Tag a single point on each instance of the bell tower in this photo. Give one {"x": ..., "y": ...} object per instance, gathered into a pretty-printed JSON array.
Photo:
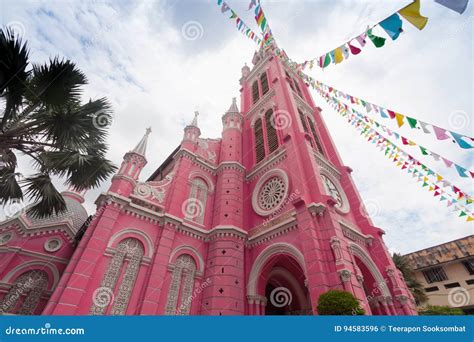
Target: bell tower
[{"x": 301, "y": 199}]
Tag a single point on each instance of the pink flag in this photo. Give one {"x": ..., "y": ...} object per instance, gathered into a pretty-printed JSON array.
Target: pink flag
[{"x": 440, "y": 133}]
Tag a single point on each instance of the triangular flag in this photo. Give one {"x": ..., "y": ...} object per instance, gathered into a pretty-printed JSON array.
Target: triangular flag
[
  {"x": 455, "y": 5},
  {"x": 361, "y": 39},
  {"x": 327, "y": 60},
  {"x": 391, "y": 113},
  {"x": 224, "y": 7},
  {"x": 338, "y": 57},
  {"x": 447, "y": 162},
  {"x": 470, "y": 218},
  {"x": 412, "y": 14},
  {"x": 252, "y": 3},
  {"x": 462, "y": 213},
  {"x": 354, "y": 50},
  {"x": 411, "y": 122},
  {"x": 392, "y": 25},
  {"x": 345, "y": 51},
  {"x": 424, "y": 127},
  {"x": 378, "y": 41},
  {"x": 460, "y": 141},
  {"x": 383, "y": 114},
  {"x": 460, "y": 170},
  {"x": 399, "y": 118},
  {"x": 440, "y": 133}
]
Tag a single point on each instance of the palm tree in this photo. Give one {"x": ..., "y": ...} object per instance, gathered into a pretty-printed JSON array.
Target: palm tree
[
  {"x": 42, "y": 117},
  {"x": 416, "y": 288}
]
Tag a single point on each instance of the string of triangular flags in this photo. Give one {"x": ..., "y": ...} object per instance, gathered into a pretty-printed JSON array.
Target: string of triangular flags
[
  {"x": 462, "y": 171},
  {"x": 440, "y": 133},
  {"x": 239, "y": 23},
  {"x": 433, "y": 181},
  {"x": 262, "y": 22},
  {"x": 392, "y": 25}
]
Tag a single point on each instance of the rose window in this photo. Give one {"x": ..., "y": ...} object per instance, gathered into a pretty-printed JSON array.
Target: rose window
[{"x": 272, "y": 193}]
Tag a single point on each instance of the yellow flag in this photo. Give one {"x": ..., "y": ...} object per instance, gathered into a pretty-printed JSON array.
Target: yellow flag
[
  {"x": 469, "y": 218},
  {"x": 399, "y": 118},
  {"x": 439, "y": 177},
  {"x": 412, "y": 14},
  {"x": 338, "y": 57}
]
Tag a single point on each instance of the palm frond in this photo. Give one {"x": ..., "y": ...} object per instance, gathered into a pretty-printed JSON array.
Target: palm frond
[
  {"x": 10, "y": 190},
  {"x": 47, "y": 199},
  {"x": 13, "y": 74},
  {"x": 56, "y": 84}
]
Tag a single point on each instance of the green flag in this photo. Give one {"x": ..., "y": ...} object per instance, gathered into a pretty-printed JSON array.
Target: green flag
[{"x": 378, "y": 41}]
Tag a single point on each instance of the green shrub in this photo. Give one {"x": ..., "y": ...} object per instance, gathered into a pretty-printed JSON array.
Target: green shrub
[
  {"x": 335, "y": 302},
  {"x": 435, "y": 310}
]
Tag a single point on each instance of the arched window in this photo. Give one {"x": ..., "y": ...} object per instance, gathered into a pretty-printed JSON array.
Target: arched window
[
  {"x": 25, "y": 293},
  {"x": 255, "y": 93},
  {"x": 181, "y": 286},
  {"x": 195, "y": 207},
  {"x": 126, "y": 260},
  {"x": 264, "y": 83},
  {"x": 303, "y": 120},
  {"x": 315, "y": 137},
  {"x": 297, "y": 86},
  {"x": 259, "y": 145},
  {"x": 272, "y": 138}
]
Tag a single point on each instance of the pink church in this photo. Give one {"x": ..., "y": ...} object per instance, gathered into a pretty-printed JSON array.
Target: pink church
[{"x": 258, "y": 222}]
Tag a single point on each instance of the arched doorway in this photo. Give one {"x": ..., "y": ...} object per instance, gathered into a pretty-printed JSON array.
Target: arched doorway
[{"x": 277, "y": 283}]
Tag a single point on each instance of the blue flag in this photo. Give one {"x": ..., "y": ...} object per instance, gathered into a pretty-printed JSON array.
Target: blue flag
[
  {"x": 393, "y": 26},
  {"x": 456, "y": 5}
]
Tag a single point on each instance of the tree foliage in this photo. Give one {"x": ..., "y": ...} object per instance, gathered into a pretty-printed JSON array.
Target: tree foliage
[
  {"x": 43, "y": 118},
  {"x": 336, "y": 302}
]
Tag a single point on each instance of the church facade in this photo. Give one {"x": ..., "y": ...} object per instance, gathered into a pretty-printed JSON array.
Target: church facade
[{"x": 261, "y": 221}]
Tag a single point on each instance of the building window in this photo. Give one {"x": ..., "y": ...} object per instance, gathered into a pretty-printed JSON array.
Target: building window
[
  {"x": 470, "y": 282},
  {"x": 297, "y": 87},
  {"x": 303, "y": 120},
  {"x": 195, "y": 206},
  {"x": 451, "y": 285},
  {"x": 435, "y": 274},
  {"x": 181, "y": 286},
  {"x": 25, "y": 293},
  {"x": 316, "y": 140},
  {"x": 431, "y": 289},
  {"x": 255, "y": 93},
  {"x": 469, "y": 265},
  {"x": 259, "y": 145},
  {"x": 264, "y": 83},
  {"x": 272, "y": 138},
  {"x": 126, "y": 260}
]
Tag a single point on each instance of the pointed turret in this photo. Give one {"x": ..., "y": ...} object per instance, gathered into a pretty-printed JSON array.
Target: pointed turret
[
  {"x": 133, "y": 163},
  {"x": 141, "y": 146},
  {"x": 191, "y": 133}
]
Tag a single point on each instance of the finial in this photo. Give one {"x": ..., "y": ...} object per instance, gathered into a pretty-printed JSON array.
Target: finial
[
  {"x": 233, "y": 107},
  {"x": 148, "y": 131}
]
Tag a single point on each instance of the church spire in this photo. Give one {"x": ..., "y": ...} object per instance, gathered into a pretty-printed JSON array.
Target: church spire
[
  {"x": 195, "y": 119},
  {"x": 233, "y": 107},
  {"x": 141, "y": 146}
]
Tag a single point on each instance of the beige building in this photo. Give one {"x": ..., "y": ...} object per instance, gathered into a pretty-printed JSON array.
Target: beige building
[{"x": 447, "y": 273}]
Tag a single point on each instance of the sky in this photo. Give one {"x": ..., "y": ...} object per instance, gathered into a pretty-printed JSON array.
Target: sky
[{"x": 159, "y": 61}]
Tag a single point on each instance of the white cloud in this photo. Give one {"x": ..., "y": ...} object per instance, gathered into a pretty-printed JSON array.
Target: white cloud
[{"x": 135, "y": 54}]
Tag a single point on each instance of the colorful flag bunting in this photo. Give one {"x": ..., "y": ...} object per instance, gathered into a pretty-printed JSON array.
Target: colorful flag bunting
[{"x": 378, "y": 41}]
